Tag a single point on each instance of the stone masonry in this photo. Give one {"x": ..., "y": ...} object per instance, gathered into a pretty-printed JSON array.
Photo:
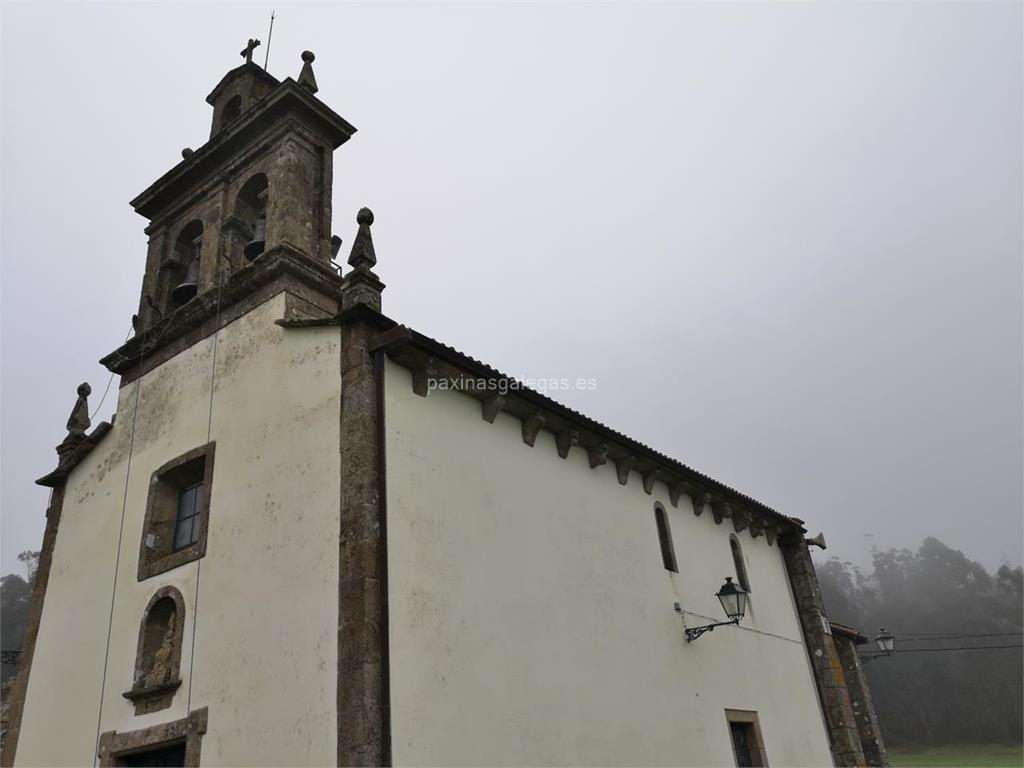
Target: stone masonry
[
  {"x": 860, "y": 698},
  {"x": 821, "y": 648}
]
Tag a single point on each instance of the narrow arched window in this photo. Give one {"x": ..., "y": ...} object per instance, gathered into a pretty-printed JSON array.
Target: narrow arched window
[
  {"x": 668, "y": 552},
  {"x": 251, "y": 210},
  {"x": 231, "y": 111},
  {"x": 739, "y": 563}
]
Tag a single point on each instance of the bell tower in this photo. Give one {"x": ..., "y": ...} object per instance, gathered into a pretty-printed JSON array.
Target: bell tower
[{"x": 241, "y": 218}]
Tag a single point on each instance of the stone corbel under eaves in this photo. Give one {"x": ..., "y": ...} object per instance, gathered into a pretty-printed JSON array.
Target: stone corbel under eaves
[
  {"x": 720, "y": 510},
  {"x": 623, "y": 464},
  {"x": 532, "y": 425},
  {"x": 399, "y": 345},
  {"x": 491, "y": 407},
  {"x": 740, "y": 519}
]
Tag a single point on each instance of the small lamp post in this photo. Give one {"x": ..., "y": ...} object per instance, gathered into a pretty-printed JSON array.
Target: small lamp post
[
  {"x": 734, "y": 602},
  {"x": 885, "y": 642}
]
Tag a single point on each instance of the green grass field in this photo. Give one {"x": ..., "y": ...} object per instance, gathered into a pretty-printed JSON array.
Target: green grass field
[{"x": 960, "y": 755}]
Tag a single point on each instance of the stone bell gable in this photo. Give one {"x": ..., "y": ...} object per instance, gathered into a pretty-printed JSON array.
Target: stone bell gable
[{"x": 261, "y": 186}]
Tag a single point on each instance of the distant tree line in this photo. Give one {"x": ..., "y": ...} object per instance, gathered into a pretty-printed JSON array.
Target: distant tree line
[
  {"x": 936, "y": 598},
  {"x": 15, "y": 595}
]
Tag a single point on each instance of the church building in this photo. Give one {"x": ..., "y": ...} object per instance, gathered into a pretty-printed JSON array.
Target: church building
[{"x": 312, "y": 535}]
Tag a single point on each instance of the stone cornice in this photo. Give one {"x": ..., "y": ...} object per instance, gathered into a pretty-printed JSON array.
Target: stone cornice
[
  {"x": 198, "y": 186},
  {"x": 357, "y": 312},
  {"x": 427, "y": 358},
  {"x": 74, "y": 457},
  {"x": 287, "y": 98},
  {"x": 244, "y": 285}
]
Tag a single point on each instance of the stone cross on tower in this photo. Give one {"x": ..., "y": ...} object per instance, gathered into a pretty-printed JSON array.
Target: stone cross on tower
[{"x": 247, "y": 51}]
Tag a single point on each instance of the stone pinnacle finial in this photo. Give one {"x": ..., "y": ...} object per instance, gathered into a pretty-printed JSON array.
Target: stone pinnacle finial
[
  {"x": 246, "y": 52},
  {"x": 363, "y": 255},
  {"x": 306, "y": 78},
  {"x": 78, "y": 422},
  {"x": 361, "y": 285}
]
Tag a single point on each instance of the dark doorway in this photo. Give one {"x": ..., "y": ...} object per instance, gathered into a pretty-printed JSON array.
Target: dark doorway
[
  {"x": 172, "y": 756},
  {"x": 747, "y": 743},
  {"x": 741, "y": 744}
]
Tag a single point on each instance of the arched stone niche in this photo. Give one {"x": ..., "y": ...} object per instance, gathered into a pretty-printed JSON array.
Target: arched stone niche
[{"x": 158, "y": 656}]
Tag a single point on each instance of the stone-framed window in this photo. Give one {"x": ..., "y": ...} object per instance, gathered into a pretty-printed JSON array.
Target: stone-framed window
[
  {"x": 186, "y": 525},
  {"x": 668, "y": 551},
  {"x": 158, "y": 656},
  {"x": 745, "y": 735},
  {"x": 177, "y": 740},
  {"x": 739, "y": 562},
  {"x": 177, "y": 512}
]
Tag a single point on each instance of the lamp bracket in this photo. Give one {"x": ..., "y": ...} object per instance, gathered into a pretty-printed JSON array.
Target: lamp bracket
[
  {"x": 692, "y": 633},
  {"x": 871, "y": 656}
]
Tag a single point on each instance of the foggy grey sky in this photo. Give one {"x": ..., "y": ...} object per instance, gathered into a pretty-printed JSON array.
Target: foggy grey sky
[{"x": 786, "y": 239}]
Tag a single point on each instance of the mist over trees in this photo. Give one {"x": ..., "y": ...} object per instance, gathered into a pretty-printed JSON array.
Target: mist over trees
[
  {"x": 15, "y": 596},
  {"x": 936, "y": 598}
]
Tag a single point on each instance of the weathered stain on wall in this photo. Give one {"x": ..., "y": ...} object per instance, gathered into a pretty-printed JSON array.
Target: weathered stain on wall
[{"x": 266, "y": 623}]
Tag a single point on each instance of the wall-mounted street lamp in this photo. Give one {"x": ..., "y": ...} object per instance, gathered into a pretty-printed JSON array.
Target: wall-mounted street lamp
[
  {"x": 734, "y": 602},
  {"x": 885, "y": 642}
]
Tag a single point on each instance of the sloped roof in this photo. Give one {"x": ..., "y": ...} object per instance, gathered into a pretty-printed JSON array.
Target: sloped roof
[
  {"x": 72, "y": 459},
  {"x": 249, "y": 68},
  {"x": 847, "y": 631},
  {"x": 670, "y": 469}
]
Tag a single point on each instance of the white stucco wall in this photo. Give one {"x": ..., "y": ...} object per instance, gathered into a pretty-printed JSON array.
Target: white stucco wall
[
  {"x": 532, "y": 621},
  {"x": 266, "y": 625}
]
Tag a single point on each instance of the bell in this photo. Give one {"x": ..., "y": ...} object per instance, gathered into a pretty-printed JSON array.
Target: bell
[
  {"x": 186, "y": 290},
  {"x": 259, "y": 240}
]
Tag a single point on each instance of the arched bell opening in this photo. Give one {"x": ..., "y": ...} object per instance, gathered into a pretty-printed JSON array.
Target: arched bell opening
[
  {"x": 185, "y": 265},
  {"x": 251, "y": 210},
  {"x": 231, "y": 111}
]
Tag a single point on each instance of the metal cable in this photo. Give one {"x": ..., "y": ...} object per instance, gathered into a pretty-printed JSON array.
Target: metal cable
[
  {"x": 743, "y": 627},
  {"x": 109, "y": 380},
  {"x": 209, "y": 433},
  {"x": 117, "y": 561},
  {"x": 960, "y": 648},
  {"x": 926, "y": 638},
  {"x": 124, "y": 505}
]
